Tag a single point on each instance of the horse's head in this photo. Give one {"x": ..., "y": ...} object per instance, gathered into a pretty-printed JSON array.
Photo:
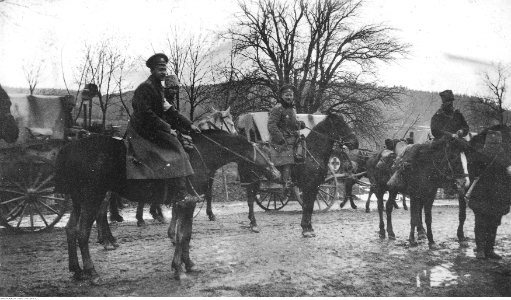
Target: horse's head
[
  {"x": 218, "y": 119},
  {"x": 449, "y": 160},
  {"x": 338, "y": 129},
  {"x": 9, "y": 130}
]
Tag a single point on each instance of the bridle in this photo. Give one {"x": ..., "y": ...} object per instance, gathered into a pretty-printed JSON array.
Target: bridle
[{"x": 254, "y": 147}]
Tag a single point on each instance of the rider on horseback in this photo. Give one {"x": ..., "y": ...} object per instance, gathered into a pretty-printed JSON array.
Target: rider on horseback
[
  {"x": 284, "y": 131},
  {"x": 153, "y": 141},
  {"x": 446, "y": 122}
]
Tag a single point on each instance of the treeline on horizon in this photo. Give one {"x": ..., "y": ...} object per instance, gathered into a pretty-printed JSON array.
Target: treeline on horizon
[{"x": 411, "y": 113}]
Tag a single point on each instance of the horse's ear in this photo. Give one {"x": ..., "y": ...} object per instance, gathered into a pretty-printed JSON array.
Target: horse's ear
[
  {"x": 228, "y": 110},
  {"x": 213, "y": 109}
]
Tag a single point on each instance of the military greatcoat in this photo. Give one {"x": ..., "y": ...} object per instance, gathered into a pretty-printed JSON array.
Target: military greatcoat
[
  {"x": 283, "y": 128},
  {"x": 442, "y": 123},
  {"x": 155, "y": 152}
]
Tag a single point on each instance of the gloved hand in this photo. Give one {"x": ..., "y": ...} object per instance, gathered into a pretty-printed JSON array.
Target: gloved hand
[
  {"x": 173, "y": 132},
  {"x": 459, "y": 133},
  {"x": 195, "y": 129}
]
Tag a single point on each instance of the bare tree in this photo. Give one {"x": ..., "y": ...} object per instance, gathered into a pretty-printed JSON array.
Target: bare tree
[
  {"x": 491, "y": 106},
  {"x": 311, "y": 45},
  {"x": 32, "y": 71},
  {"x": 191, "y": 60},
  {"x": 104, "y": 65}
]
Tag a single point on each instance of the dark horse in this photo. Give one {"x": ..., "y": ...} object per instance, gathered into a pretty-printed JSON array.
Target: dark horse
[
  {"x": 9, "y": 130},
  {"x": 309, "y": 175},
  {"x": 436, "y": 164},
  {"x": 90, "y": 167}
]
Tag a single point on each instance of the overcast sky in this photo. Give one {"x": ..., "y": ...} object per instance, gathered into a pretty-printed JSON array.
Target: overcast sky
[{"x": 452, "y": 41}]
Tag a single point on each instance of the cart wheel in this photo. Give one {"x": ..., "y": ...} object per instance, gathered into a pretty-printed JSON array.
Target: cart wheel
[
  {"x": 28, "y": 202},
  {"x": 327, "y": 194},
  {"x": 269, "y": 198}
]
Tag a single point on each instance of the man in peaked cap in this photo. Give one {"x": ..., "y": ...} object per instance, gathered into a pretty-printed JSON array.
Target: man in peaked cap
[
  {"x": 154, "y": 151},
  {"x": 446, "y": 122}
]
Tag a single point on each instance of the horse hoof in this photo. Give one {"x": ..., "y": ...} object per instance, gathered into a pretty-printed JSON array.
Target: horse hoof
[
  {"x": 116, "y": 218},
  {"x": 414, "y": 244},
  {"x": 342, "y": 204},
  {"x": 421, "y": 236},
  {"x": 96, "y": 280},
  {"x": 254, "y": 229},
  {"x": 354, "y": 206},
  {"x": 180, "y": 276},
  {"x": 160, "y": 219},
  {"x": 141, "y": 223},
  {"x": 212, "y": 217},
  {"x": 78, "y": 275},
  {"x": 433, "y": 246},
  {"x": 405, "y": 207},
  {"x": 308, "y": 234},
  {"x": 367, "y": 210},
  {"x": 392, "y": 237},
  {"x": 464, "y": 244},
  {"x": 190, "y": 267}
]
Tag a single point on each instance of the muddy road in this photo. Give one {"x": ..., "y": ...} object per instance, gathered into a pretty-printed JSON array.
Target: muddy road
[{"x": 346, "y": 258}]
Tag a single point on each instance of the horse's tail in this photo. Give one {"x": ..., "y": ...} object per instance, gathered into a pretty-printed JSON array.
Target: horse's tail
[{"x": 63, "y": 182}]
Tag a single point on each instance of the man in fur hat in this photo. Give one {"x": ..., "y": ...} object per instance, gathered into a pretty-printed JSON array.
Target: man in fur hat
[{"x": 284, "y": 131}]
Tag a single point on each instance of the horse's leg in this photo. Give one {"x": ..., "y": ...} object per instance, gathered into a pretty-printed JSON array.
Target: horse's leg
[
  {"x": 156, "y": 212},
  {"x": 348, "y": 188},
  {"x": 209, "y": 198},
  {"x": 88, "y": 213},
  {"x": 389, "y": 207},
  {"x": 251, "y": 195},
  {"x": 308, "y": 207},
  {"x": 184, "y": 217},
  {"x": 414, "y": 216},
  {"x": 379, "y": 192},
  {"x": 140, "y": 214},
  {"x": 428, "y": 206},
  {"x": 462, "y": 216},
  {"x": 404, "y": 202},
  {"x": 368, "y": 202},
  {"x": 72, "y": 235},
  {"x": 421, "y": 232},
  {"x": 114, "y": 208},
  {"x": 171, "y": 232},
  {"x": 105, "y": 236}
]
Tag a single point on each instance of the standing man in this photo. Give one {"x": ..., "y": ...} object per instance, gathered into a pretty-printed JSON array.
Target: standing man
[
  {"x": 446, "y": 122},
  {"x": 152, "y": 136},
  {"x": 284, "y": 131}
]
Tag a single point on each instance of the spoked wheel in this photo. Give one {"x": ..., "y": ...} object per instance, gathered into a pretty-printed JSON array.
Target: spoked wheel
[
  {"x": 271, "y": 196},
  {"x": 28, "y": 202},
  {"x": 327, "y": 194}
]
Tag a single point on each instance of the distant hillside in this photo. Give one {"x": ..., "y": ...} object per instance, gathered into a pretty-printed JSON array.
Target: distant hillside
[{"x": 412, "y": 115}]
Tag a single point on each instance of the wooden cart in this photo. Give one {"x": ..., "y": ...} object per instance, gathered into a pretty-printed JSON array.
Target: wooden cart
[
  {"x": 28, "y": 202},
  {"x": 271, "y": 196}
]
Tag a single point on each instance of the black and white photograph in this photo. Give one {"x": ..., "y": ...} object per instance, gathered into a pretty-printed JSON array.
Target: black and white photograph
[{"x": 255, "y": 148}]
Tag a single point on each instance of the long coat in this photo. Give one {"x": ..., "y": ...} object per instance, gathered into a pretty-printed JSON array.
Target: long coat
[
  {"x": 160, "y": 155},
  {"x": 283, "y": 129},
  {"x": 442, "y": 123},
  {"x": 491, "y": 195}
]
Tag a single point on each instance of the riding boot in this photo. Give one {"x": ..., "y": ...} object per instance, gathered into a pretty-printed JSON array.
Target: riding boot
[{"x": 490, "y": 242}]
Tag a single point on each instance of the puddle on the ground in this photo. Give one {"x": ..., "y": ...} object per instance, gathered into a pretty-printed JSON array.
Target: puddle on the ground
[{"x": 438, "y": 276}]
